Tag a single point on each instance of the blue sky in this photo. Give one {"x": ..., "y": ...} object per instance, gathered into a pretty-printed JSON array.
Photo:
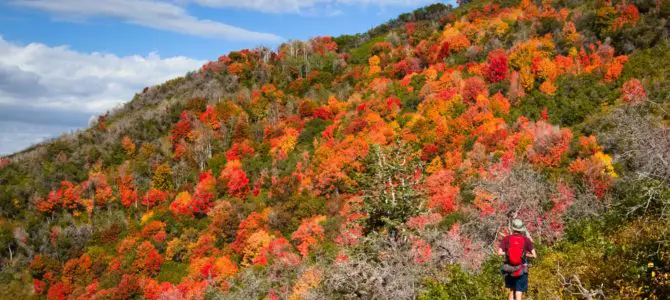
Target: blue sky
[{"x": 63, "y": 61}]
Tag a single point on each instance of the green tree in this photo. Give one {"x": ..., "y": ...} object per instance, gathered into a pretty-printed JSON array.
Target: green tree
[
  {"x": 388, "y": 185},
  {"x": 6, "y": 240},
  {"x": 162, "y": 178}
]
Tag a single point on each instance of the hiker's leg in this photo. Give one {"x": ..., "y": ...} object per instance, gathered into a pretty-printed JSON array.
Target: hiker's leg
[
  {"x": 511, "y": 294},
  {"x": 518, "y": 294}
]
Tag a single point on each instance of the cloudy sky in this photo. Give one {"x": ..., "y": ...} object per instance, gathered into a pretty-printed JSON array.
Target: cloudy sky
[{"x": 64, "y": 61}]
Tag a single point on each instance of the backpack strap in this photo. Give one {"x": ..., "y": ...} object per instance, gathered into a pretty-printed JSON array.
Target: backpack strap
[{"x": 523, "y": 249}]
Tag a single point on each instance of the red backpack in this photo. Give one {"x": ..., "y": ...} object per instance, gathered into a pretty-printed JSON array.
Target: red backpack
[{"x": 516, "y": 253}]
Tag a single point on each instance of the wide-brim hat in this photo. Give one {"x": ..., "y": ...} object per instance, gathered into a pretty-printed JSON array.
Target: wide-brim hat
[{"x": 517, "y": 225}]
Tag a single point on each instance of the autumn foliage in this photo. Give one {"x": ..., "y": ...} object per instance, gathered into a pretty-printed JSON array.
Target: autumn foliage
[
  {"x": 308, "y": 234},
  {"x": 388, "y": 157},
  {"x": 204, "y": 193},
  {"x": 235, "y": 179},
  {"x": 497, "y": 66},
  {"x": 633, "y": 92}
]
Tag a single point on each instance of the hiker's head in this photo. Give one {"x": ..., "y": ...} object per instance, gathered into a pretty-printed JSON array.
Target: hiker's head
[{"x": 518, "y": 226}]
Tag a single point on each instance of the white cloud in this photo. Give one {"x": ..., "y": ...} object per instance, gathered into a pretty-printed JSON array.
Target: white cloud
[
  {"x": 58, "y": 87},
  {"x": 83, "y": 81},
  {"x": 301, "y": 6},
  {"x": 276, "y": 6},
  {"x": 163, "y": 15}
]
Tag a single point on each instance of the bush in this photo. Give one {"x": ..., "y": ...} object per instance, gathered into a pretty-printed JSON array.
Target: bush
[
  {"x": 360, "y": 54},
  {"x": 454, "y": 283},
  {"x": 172, "y": 272},
  {"x": 651, "y": 67},
  {"x": 576, "y": 98},
  {"x": 388, "y": 205},
  {"x": 312, "y": 130},
  {"x": 6, "y": 238}
]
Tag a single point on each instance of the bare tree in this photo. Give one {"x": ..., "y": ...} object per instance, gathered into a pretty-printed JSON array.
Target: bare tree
[
  {"x": 257, "y": 283},
  {"x": 574, "y": 286},
  {"x": 385, "y": 271},
  {"x": 586, "y": 204},
  {"x": 180, "y": 172},
  {"x": 449, "y": 248},
  {"x": 202, "y": 146},
  {"x": 640, "y": 141},
  {"x": 518, "y": 193}
]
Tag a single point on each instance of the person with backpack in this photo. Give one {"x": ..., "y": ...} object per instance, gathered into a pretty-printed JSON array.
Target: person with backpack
[{"x": 517, "y": 248}]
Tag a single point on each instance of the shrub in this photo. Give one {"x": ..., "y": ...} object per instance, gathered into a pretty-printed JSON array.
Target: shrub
[
  {"x": 390, "y": 198},
  {"x": 576, "y": 98},
  {"x": 172, "y": 272}
]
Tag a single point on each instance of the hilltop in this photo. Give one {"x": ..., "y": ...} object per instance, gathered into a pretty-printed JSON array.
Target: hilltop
[{"x": 381, "y": 165}]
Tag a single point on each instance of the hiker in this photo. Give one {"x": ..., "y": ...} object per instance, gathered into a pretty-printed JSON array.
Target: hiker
[{"x": 516, "y": 248}]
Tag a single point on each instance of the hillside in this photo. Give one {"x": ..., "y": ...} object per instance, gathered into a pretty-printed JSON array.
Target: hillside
[{"x": 381, "y": 165}]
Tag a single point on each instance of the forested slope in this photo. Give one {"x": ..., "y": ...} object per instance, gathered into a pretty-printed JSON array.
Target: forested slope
[{"x": 382, "y": 165}]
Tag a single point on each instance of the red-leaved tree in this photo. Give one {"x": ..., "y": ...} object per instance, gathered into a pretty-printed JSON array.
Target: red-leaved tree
[
  {"x": 496, "y": 67},
  {"x": 204, "y": 193}
]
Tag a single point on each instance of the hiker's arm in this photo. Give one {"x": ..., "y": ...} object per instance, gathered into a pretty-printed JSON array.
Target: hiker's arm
[
  {"x": 532, "y": 254},
  {"x": 501, "y": 252}
]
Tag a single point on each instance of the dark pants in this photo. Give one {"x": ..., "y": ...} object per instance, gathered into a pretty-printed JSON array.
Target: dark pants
[{"x": 518, "y": 284}]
